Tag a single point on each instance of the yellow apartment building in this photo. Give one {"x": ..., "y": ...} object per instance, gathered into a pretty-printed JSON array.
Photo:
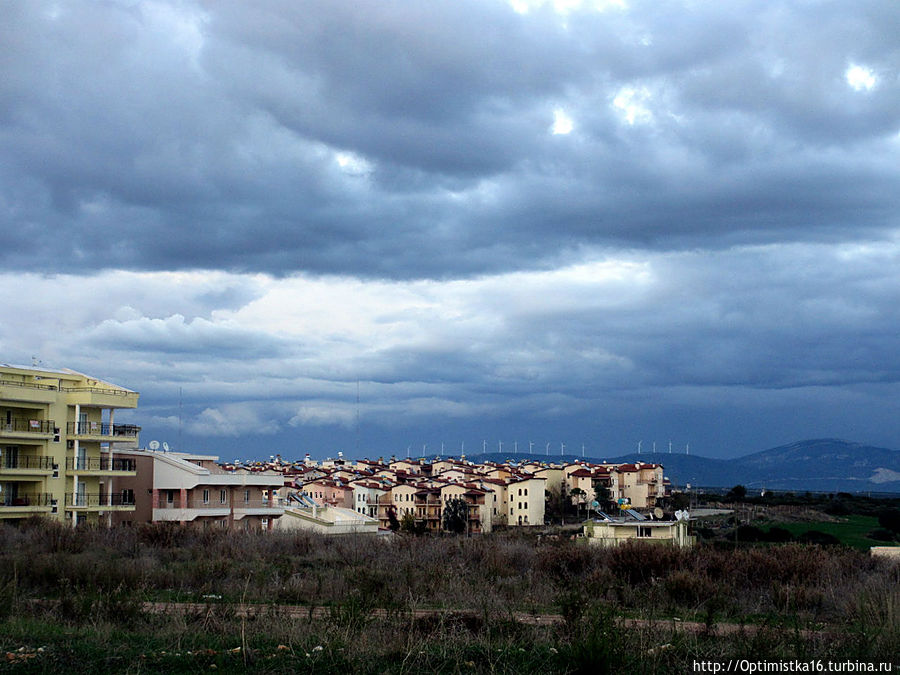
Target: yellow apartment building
[{"x": 58, "y": 445}]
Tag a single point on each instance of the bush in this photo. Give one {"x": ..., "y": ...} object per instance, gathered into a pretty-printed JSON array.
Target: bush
[
  {"x": 881, "y": 534},
  {"x": 889, "y": 519}
]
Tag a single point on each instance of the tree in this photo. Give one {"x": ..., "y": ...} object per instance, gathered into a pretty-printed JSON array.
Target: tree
[
  {"x": 579, "y": 497},
  {"x": 456, "y": 515},
  {"x": 602, "y": 495},
  {"x": 737, "y": 493},
  {"x": 393, "y": 523}
]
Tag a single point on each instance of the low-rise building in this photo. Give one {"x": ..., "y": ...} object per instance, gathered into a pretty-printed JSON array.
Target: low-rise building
[
  {"x": 192, "y": 488},
  {"x": 617, "y": 531}
]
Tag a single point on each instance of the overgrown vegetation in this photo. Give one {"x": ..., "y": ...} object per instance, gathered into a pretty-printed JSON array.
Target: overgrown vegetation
[{"x": 80, "y": 596}]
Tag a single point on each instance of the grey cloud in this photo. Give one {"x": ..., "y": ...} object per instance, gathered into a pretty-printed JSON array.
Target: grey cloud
[{"x": 203, "y": 136}]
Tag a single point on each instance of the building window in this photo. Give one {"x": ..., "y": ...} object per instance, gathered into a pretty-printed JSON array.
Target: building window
[
  {"x": 170, "y": 497},
  {"x": 644, "y": 532},
  {"x": 128, "y": 496},
  {"x": 206, "y": 496},
  {"x": 223, "y": 497},
  {"x": 246, "y": 496}
]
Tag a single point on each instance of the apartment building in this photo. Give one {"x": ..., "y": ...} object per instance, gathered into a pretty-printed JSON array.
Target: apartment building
[
  {"x": 190, "y": 488},
  {"x": 642, "y": 484},
  {"x": 526, "y": 500},
  {"x": 60, "y": 446}
]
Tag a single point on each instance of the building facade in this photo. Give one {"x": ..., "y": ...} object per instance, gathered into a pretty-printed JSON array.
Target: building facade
[
  {"x": 59, "y": 446},
  {"x": 189, "y": 488}
]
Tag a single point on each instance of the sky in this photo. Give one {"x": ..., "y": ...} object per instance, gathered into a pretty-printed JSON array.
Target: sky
[{"x": 395, "y": 227}]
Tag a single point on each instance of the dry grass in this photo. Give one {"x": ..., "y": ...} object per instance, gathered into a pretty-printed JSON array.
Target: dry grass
[{"x": 92, "y": 583}]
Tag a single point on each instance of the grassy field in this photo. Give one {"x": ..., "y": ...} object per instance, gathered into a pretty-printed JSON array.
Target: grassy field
[
  {"x": 850, "y": 531},
  {"x": 74, "y": 601}
]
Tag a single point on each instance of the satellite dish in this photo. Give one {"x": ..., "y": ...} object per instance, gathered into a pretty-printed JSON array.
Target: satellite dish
[
  {"x": 658, "y": 513},
  {"x": 165, "y": 446},
  {"x": 153, "y": 445}
]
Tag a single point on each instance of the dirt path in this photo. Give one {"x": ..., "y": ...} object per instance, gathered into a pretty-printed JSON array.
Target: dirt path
[{"x": 300, "y": 612}]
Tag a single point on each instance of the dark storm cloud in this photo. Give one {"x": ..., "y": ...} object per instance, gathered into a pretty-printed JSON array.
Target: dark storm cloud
[{"x": 181, "y": 135}]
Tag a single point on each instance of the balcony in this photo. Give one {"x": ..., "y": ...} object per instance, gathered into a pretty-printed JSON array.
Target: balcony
[
  {"x": 31, "y": 392},
  {"x": 20, "y": 427},
  {"x": 26, "y": 465},
  {"x": 23, "y": 505},
  {"x": 101, "y": 501},
  {"x": 105, "y": 466},
  {"x": 256, "y": 507},
  {"x": 174, "y": 510},
  {"x": 102, "y": 397},
  {"x": 102, "y": 431}
]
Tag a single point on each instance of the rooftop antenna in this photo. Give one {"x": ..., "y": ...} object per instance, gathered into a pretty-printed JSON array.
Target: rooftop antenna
[
  {"x": 562, "y": 448},
  {"x": 500, "y": 445},
  {"x": 357, "y": 416},
  {"x": 180, "y": 415},
  {"x": 408, "y": 448},
  {"x": 530, "y": 446},
  {"x": 639, "y": 446}
]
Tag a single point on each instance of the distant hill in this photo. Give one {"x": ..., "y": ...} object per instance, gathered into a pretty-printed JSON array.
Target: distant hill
[{"x": 819, "y": 465}]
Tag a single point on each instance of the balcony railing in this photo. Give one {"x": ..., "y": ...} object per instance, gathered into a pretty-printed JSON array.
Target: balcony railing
[
  {"x": 27, "y": 385},
  {"x": 99, "y": 464},
  {"x": 20, "y": 424},
  {"x": 214, "y": 503},
  {"x": 102, "y": 429},
  {"x": 40, "y": 499},
  {"x": 100, "y": 499},
  {"x": 26, "y": 462},
  {"x": 98, "y": 390}
]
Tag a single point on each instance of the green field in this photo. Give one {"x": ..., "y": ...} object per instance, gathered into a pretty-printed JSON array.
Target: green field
[{"x": 851, "y": 531}]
